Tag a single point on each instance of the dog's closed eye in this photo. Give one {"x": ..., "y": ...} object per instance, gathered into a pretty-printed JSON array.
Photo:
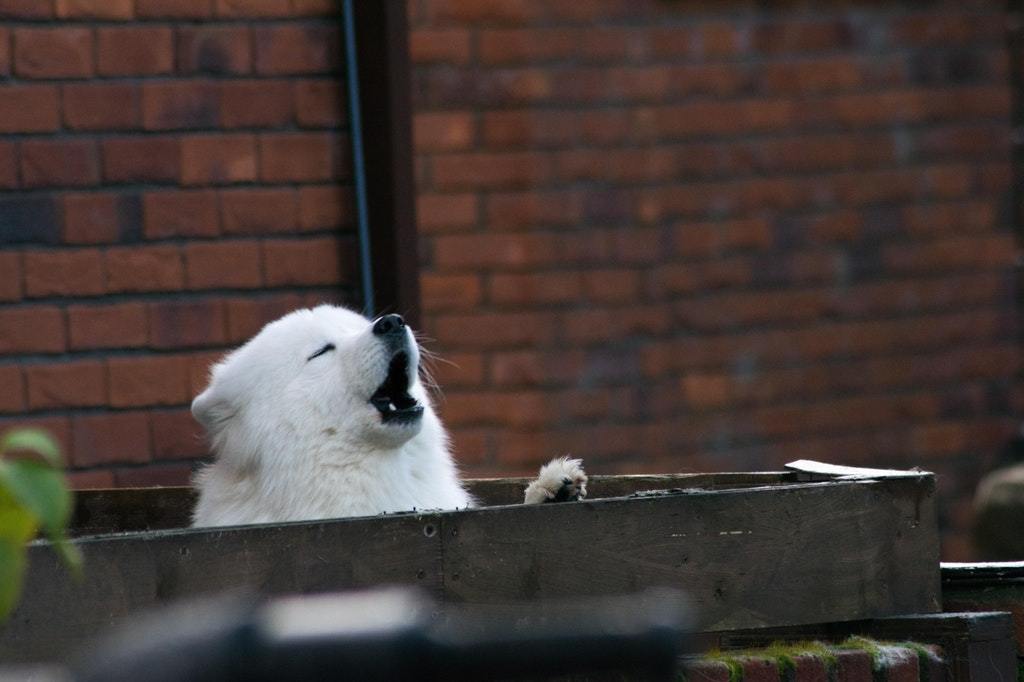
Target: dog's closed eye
[{"x": 325, "y": 349}]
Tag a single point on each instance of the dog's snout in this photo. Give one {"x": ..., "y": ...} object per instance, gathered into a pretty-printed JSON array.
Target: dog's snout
[{"x": 389, "y": 324}]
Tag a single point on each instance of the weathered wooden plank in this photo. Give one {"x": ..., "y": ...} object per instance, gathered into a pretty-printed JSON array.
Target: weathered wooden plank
[
  {"x": 127, "y": 573},
  {"x": 772, "y": 555},
  {"x": 810, "y": 470},
  {"x": 137, "y": 509},
  {"x": 131, "y": 509},
  {"x": 767, "y": 555},
  {"x": 502, "y": 491}
]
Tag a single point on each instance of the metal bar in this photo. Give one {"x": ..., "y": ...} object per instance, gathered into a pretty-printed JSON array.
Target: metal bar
[{"x": 358, "y": 161}]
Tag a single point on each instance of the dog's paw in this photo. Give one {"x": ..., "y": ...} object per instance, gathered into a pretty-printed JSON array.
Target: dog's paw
[{"x": 560, "y": 480}]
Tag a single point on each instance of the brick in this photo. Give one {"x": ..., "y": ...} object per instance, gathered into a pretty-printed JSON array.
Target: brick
[
  {"x": 327, "y": 207},
  {"x": 762, "y": 670},
  {"x": 318, "y": 104},
  {"x": 901, "y": 665},
  {"x": 200, "y": 365},
  {"x": 494, "y": 330},
  {"x": 8, "y": 165},
  {"x": 154, "y": 476},
  {"x": 457, "y": 369},
  {"x": 148, "y": 380},
  {"x": 5, "y": 52},
  {"x": 134, "y": 51},
  {"x": 292, "y": 49},
  {"x": 108, "y": 438},
  {"x": 218, "y": 159},
  {"x": 247, "y": 316},
  {"x": 446, "y": 212},
  {"x": 535, "y": 288},
  {"x": 297, "y": 157},
  {"x": 189, "y": 213},
  {"x": 234, "y": 264},
  {"x": 611, "y": 286},
  {"x": 322, "y": 260},
  {"x": 28, "y": 219},
  {"x": 513, "y": 408},
  {"x": 141, "y": 159},
  {"x": 63, "y": 52},
  {"x": 10, "y": 276},
  {"x": 950, "y": 254},
  {"x": 533, "y": 368},
  {"x": 810, "y": 668},
  {"x": 253, "y": 8},
  {"x": 67, "y": 384},
  {"x": 182, "y": 324},
  {"x": 444, "y": 46},
  {"x": 95, "y": 9},
  {"x": 92, "y": 218},
  {"x": 214, "y": 50},
  {"x": 60, "y": 162},
  {"x": 102, "y": 106},
  {"x": 28, "y": 109},
  {"x": 173, "y": 105},
  {"x": 853, "y": 666},
  {"x": 33, "y": 330},
  {"x": 519, "y": 46},
  {"x": 19, "y": 9},
  {"x": 491, "y": 171},
  {"x": 471, "y": 446},
  {"x": 115, "y": 325},
  {"x": 703, "y": 239},
  {"x": 259, "y": 211},
  {"x": 176, "y": 435},
  {"x": 476, "y": 251},
  {"x": 76, "y": 272},
  {"x": 314, "y": 8},
  {"x": 443, "y": 131},
  {"x": 450, "y": 292},
  {"x": 256, "y": 104},
  {"x": 531, "y": 128},
  {"x": 12, "y": 389},
  {"x": 58, "y": 427},
  {"x": 486, "y": 11},
  {"x": 706, "y": 671},
  {"x": 133, "y": 269},
  {"x": 94, "y": 479},
  {"x": 174, "y": 9}
]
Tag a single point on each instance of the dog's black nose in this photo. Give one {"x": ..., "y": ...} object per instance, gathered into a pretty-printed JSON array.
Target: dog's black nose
[{"x": 388, "y": 324}]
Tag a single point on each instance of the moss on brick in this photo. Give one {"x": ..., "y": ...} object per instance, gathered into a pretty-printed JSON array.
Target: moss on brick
[
  {"x": 786, "y": 655},
  {"x": 731, "y": 662}
]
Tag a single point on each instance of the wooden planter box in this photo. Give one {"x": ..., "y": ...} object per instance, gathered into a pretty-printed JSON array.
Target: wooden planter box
[{"x": 751, "y": 550}]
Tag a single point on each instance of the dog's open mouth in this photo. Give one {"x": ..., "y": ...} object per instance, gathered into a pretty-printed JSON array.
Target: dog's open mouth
[{"x": 392, "y": 398}]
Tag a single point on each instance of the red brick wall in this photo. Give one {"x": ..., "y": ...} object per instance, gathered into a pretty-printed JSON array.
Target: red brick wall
[
  {"x": 670, "y": 235},
  {"x": 172, "y": 175},
  {"x": 659, "y": 235}
]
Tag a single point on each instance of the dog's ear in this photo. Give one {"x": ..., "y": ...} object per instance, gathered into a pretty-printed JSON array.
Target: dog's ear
[{"x": 212, "y": 410}]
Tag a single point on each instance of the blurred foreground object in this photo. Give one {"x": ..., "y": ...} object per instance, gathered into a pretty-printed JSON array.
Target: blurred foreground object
[
  {"x": 392, "y": 634},
  {"x": 999, "y": 515},
  {"x": 34, "y": 496}
]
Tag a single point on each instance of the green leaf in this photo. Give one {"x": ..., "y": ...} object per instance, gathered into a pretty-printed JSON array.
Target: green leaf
[
  {"x": 41, "y": 490},
  {"x": 17, "y": 525},
  {"x": 35, "y": 440},
  {"x": 69, "y": 554},
  {"x": 12, "y": 573}
]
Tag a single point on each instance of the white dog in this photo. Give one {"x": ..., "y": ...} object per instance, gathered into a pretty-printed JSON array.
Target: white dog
[{"x": 323, "y": 415}]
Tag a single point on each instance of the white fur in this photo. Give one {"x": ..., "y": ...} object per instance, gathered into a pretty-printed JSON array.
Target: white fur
[
  {"x": 297, "y": 438},
  {"x": 559, "y": 473}
]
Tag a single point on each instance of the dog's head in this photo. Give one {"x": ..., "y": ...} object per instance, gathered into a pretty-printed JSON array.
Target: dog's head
[{"x": 317, "y": 380}]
